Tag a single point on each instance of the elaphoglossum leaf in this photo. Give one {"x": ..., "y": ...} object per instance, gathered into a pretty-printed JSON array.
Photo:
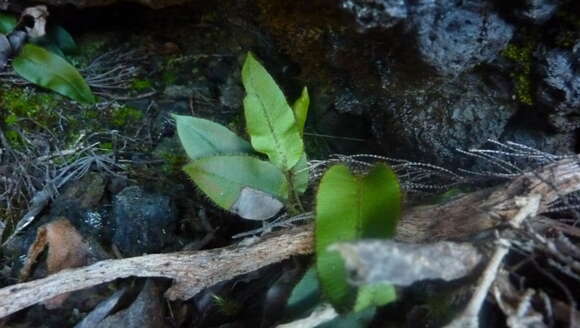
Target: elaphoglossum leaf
[
  {"x": 348, "y": 208},
  {"x": 223, "y": 178},
  {"x": 50, "y": 71},
  {"x": 202, "y": 138},
  {"x": 300, "y": 175},
  {"x": 374, "y": 295},
  {"x": 300, "y": 109},
  {"x": 305, "y": 296},
  {"x": 49, "y": 45},
  {"x": 269, "y": 119},
  {"x": 62, "y": 38},
  {"x": 334, "y": 223},
  {"x": 7, "y": 23}
]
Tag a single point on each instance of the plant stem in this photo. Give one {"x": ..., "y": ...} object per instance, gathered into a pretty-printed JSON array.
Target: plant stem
[{"x": 294, "y": 198}]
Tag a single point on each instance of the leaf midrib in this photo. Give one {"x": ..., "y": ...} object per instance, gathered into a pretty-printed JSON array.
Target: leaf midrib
[{"x": 275, "y": 137}]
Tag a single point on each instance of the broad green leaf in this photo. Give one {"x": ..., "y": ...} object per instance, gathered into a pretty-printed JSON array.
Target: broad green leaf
[
  {"x": 348, "y": 208},
  {"x": 305, "y": 296},
  {"x": 48, "y": 70},
  {"x": 57, "y": 40},
  {"x": 269, "y": 119},
  {"x": 374, "y": 295},
  {"x": 300, "y": 109},
  {"x": 49, "y": 45},
  {"x": 7, "y": 23},
  {"x": 300, "y": 175},
  {"x": 202, "y": 138},
  {"x": 224, "y": 178},
  {"x": 63, "y": 40}
]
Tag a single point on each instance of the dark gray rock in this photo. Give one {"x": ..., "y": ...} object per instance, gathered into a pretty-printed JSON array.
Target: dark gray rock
[
  {"x": 144, "y": 222},
  {"x": 5, "y": 51},
  {"x": 451, "y": 36},
  {"x": 455, "y": 38},
  {"x": 428, "y": 125},
  {"x": 377, "y": 13},
  {"x": 231, "y": 93},
  {"x": 559, "y": 89}
]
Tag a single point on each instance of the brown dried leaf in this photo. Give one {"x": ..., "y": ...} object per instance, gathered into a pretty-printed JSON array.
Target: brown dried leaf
[{"x": 66, "y": 249}]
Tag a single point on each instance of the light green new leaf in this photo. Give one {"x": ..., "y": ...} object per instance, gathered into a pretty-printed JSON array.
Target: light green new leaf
[
  {"x": 229, "y": 179},
  {"x": 374, "y": 295},
  {"x": 202, "y": 138},
  {"x": 300, "y": 175},
  {"x": 300, "y": 109},
  {"x": 348, "y": 208},
  {"x": 48, "y": 70},
  {"x": 269, "y": 119},
  {"x": 7, "y": 23}
]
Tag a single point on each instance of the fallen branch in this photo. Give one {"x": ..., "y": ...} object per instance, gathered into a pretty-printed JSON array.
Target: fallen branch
[
  {"x": 193, "y": 271},
  {"x": 470, "y": 316},
  {"x": 485, "y": 209}
]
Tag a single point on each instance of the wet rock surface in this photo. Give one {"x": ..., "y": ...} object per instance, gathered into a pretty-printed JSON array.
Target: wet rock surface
[
  {"x": 559, "y": 90},
  {"x": 462, "y": 113},
  {"x": 451, "y": 36},
  {"x": 144, "y": 222}
]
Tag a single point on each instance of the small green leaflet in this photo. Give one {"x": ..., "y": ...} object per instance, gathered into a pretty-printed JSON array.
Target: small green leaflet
[
  {"x": 348, "y": 208},
  {"x": 50, "y": 71},
  {"x": 374, "y": 295},
  {"x": 269, "y": 119},
  {"x": 225, "y": 179},
  {"x": 300, "y": 175},
  {"x": 7, "y": 23},
  {"x": 202, "y": 138},
  {"x": 58, "y": 41},
  {"x": 63, "y": 40},
  {"x": 300, "y": 109}
]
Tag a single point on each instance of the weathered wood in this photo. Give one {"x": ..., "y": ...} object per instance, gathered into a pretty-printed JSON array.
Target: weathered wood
[
  {"x": 191, "y": 271},
  {"x": 484, "y": 209}
]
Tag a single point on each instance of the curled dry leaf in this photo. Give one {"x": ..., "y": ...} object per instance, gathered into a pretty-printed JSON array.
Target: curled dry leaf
[
  {"x": 39, "y": 15},
  {"x": 66, "y": 249},
  {"x": 374, "y": 261}
]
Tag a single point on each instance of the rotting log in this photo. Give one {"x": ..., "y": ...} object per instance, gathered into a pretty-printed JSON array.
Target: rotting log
[{"x": 193, "y": 271}]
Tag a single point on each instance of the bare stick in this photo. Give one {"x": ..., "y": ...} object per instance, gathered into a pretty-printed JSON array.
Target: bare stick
[
  {"x": 191, "y": 271},
  {"x": 469, "y": 317}
]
